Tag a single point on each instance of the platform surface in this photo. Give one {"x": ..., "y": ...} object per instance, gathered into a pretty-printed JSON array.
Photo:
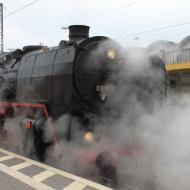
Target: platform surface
[{"x": 20, "y": 173}]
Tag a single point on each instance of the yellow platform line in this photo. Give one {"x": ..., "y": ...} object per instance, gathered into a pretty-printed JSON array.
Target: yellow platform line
[
  {"x": 23, "y": 178},
  {"x": 6, "y": 158},
  {"x": 75, "y": 186},
  {"x": 43, "y": 175},
  {"x": 21, "y": 166},
  {"x": 57, "y": 171}
]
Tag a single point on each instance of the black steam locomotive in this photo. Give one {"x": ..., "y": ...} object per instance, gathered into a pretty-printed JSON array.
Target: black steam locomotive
[
  {"x": 39, "y": 82},
  {"x": 75, "y": 78}
]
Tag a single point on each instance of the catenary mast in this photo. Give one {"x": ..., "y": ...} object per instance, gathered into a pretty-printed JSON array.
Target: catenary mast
[{"x": 1, "y": 27}]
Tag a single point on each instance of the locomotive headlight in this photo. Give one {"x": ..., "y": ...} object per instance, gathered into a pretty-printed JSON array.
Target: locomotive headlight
[
  {"x": 88, "y": 137},
  {"x": 111, "y": 54}
]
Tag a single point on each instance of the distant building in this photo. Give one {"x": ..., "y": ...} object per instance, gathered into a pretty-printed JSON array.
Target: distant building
[{"x": 162, "y": 45}]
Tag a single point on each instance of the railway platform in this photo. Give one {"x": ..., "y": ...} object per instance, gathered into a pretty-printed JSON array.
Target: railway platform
[{"x": 20, "y": 173}]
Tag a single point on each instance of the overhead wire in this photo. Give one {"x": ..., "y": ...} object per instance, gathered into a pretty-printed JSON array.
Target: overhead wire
[
  {"x": 144, "y": 32},
  {"x": 166, "y": 34},
  {"x": 142, "y": 26},
  {"x": 159, "y": 29},
  {"x": 20, "y": 9},
  {"x": 173, "y": 36},
  {"x": 84, "y": 18},
  {"x": 177, "y": 35},
  {"x": 161, "y": 23},
  {"x": 109, "y": 11},
  {"x": 93, "y": 16},
  {"x": 18, "y": 22},
  {"x": 79, "y": 20}
]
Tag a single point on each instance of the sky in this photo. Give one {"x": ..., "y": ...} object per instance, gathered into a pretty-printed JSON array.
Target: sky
[{"x": 130, "y": 22}]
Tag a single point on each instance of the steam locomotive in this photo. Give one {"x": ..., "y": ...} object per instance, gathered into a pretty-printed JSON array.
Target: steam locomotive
[
  {"x": 74, "y": 78},
  {"x": 40, "y": 82}
]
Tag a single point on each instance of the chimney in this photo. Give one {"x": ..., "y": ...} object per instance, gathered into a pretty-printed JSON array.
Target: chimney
[{"x": 78, "y": 32}]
